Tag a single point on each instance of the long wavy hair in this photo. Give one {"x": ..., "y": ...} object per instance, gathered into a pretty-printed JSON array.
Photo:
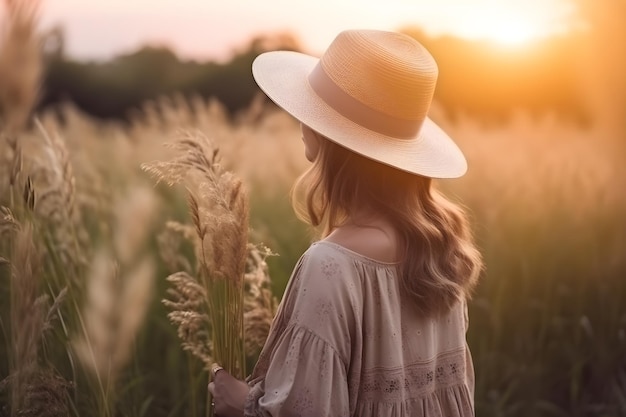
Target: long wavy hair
[{"x": 439, "y": 265}]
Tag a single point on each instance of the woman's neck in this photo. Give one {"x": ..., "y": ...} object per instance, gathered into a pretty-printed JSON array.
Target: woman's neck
[{"x": 368, "y": 232}]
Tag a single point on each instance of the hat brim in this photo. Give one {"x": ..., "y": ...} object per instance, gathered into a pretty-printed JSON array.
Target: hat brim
[{"x": 283, "y": 76}]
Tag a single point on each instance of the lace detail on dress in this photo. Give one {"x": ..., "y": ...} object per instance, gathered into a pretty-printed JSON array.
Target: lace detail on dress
[{"x": 414, "y": 381}]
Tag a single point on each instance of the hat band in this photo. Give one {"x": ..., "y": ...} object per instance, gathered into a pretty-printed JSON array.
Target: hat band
[{"x": 360, "y": 113}]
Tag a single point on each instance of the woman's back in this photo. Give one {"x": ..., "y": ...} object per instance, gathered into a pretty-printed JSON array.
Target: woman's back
[{"x": 345, "y": 334}]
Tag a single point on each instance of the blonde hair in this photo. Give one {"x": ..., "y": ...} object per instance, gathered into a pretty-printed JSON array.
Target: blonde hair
[{"x": 440, "y": 264}]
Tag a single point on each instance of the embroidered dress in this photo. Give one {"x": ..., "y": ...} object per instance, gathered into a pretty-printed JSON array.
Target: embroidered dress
[{"x": 344, "y": 343}]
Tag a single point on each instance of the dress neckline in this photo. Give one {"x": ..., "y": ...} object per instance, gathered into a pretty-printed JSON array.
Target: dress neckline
[{"x": 357, "y": 255}]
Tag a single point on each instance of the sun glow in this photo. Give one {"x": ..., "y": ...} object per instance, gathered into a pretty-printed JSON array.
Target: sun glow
[
  {"x": 514, "y": 34},
  {"x": 506, "y": 25}
]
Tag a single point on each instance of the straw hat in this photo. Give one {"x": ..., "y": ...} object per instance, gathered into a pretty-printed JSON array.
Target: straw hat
[{"x": 369, "y": 92}]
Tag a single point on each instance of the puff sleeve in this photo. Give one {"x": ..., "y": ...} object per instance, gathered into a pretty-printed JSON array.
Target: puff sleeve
[{"x": 309, "y": 356}]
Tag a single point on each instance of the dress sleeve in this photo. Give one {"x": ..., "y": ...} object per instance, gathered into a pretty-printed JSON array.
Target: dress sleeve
[
  {"x": 310, "y": 380},
  {"x": 308, "y": 360}
]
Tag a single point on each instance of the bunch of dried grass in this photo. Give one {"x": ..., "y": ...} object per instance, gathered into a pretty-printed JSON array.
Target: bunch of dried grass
[
  {"x": 187, "y": 297},
  {"x": 223, "y": 307},
  {"x": 219, "y": 209}
]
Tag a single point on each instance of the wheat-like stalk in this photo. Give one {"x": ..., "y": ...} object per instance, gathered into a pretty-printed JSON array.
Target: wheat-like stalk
[
  {"x": 171, "y": 242},
  {"x": 53, "y": 177},
  {"x": 111, "y": 316},
  {"x": 33, "y": 388},
  {"x": 20, "y": 78},
  {"x": 8, "y": 224},
  {"x": 44, "y": 394},
  {"x": 259, "y": 303},
  {"x": 27, "y": 314},
  {"x": 134, "y": 216},
  {"x": 119, "y": 291},
  {"x": 187, "y": 297},
  {"x": 20, "y": 65},
  {"x": 187, "y": 303}
]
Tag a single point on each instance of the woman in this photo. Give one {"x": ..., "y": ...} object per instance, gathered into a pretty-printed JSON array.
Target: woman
[{"x": 374, "y": 317}]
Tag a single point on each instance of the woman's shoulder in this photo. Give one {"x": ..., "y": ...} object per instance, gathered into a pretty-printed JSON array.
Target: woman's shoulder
[
  {"x": 376, "y": 243},
  {"x": 326, "y": 260}
]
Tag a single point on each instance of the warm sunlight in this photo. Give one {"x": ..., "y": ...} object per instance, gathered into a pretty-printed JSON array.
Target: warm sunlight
[
  {"x": 507, "y": 24},
  {"x": 514, "y": 34}
]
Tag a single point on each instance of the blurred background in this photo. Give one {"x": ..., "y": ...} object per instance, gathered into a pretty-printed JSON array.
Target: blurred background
[
  {"x": 533, "y": 91},
  {"x": 495, "y": 57}
]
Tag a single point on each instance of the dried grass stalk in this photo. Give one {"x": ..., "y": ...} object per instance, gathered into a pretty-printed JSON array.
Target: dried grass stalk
[
  {"x": 111, "y": 316},
  {"x": 134, "y": 216},
  {"x": 21, "y": 65},
  {"x": 45, "y": 394},
  {"x": 259, "y": 302},
  {"x": 27, "y": 313},
  {"x": 171, "y": 242},
  {"x": 55, "y": 207},
  {"x": 187, "y": 303},
  {"x": 32, "y": 388},
  {"x": 8, "y": 224},
  {"x": 119, "y": 292},
  {"x": 57, "y": 179}
]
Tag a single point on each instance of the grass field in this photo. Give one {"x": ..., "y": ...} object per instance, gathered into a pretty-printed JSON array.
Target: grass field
[{"x": 548, "y": 326}]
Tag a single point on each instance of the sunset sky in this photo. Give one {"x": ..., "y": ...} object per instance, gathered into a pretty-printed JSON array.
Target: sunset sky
[{"x": 210, "y": 29}]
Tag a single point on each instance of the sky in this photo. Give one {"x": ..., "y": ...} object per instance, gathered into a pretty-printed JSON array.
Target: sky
[{"x": 212, "y": 29}]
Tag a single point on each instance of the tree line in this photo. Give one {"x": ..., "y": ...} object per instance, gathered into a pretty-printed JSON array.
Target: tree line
[{"x": 481, "y": 80}]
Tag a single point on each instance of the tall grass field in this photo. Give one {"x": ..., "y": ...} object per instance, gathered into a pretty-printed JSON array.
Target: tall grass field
[{"x": 88, "y": 240}]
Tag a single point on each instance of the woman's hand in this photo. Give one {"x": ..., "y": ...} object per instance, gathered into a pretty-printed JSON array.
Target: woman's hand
[{"x": 229, "y": 394}]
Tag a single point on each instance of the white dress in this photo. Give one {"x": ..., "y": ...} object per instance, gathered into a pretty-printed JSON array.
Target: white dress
[{"x": 343, "y": 344}]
